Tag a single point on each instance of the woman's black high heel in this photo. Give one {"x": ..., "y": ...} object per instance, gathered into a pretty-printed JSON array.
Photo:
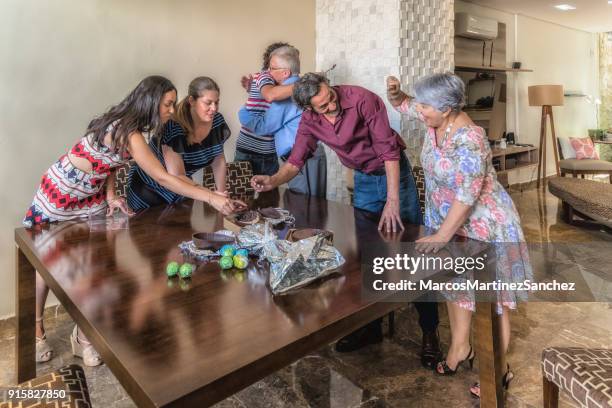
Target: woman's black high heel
[
  {"x": 506, "y": 379},
  {"x": 449, "y": 371}
]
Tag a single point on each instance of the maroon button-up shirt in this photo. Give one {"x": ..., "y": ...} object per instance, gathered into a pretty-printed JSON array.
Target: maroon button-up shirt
[{"x": 361, "y": 135}]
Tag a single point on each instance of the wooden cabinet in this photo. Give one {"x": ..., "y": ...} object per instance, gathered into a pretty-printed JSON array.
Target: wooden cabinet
[{"x": 512, "y": 158}]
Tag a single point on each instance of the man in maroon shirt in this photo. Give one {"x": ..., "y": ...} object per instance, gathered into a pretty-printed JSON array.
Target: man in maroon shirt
[{"x": 353, "y": 122}]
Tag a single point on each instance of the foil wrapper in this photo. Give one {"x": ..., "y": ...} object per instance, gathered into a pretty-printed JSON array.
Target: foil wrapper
[
  {"x": 189, "y": 250},
  {"x": 292, "y": 264},
  {"x": 306, "y": 260},
  {"x": 262, "y": 240},
  {"x": 286, "y": 217}
]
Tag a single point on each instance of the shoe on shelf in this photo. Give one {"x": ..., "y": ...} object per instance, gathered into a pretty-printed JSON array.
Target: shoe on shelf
[
  {"x": 84, "y": 349},
  {"x": 364, "y": 336},
  {"x": 443, "y": 369},
  {"x": 44, "y": 352},
  {"x": 506, "y": 379},
  {"x": 430, "y": 349}
]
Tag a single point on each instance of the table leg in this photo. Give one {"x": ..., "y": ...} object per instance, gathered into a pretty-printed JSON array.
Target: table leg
[
  {"x": 25, "y": 305},
  {"x": 490, "y": 358}
]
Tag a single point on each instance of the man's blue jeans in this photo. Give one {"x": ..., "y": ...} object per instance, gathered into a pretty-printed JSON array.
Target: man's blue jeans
[
  {"x": 370, "y": 193},
  {"x": 266, "y": 164}
]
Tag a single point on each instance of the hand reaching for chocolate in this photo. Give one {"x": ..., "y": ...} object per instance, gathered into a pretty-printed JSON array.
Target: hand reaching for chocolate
[{"x": 226, "y": 205}]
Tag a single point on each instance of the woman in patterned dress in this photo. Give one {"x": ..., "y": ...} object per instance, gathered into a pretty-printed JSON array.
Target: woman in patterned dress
[
  {"x": 463, "y": 197},
  {"x": 190, "y": 141},
  {"x": 81, "y": 182}
]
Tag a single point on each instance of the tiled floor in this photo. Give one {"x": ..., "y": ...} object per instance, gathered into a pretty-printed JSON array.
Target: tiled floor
[{"x": 389, "y": 374}]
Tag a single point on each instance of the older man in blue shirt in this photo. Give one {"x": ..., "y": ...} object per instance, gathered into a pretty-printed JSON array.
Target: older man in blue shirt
[{"x": 282, "y": 120}]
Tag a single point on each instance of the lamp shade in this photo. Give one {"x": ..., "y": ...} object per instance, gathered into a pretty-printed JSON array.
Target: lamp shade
[{"x": 540, "y": 95}]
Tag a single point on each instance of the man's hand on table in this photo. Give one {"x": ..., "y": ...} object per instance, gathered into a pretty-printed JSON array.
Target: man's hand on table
[{"x": 390, "y": 219}]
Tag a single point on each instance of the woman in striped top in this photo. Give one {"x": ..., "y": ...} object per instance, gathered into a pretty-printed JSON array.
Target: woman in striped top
[{"x": 191, "y": 141}]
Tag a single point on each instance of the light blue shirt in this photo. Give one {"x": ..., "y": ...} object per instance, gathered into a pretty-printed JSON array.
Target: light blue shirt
[{"x": 281, "y": 120}]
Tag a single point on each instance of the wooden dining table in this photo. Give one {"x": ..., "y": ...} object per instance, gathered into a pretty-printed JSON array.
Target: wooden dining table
[{"x": 192, "y": 343}]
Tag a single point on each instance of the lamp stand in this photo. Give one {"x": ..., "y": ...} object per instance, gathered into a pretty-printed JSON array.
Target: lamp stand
[{"x": 546, "y": 113}]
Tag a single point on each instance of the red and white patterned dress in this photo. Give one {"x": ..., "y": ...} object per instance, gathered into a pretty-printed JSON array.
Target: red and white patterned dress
[{"x": 67, "y": 192}]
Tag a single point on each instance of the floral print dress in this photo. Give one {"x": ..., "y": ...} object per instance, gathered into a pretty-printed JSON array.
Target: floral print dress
[{"x": 461, "y": 169}]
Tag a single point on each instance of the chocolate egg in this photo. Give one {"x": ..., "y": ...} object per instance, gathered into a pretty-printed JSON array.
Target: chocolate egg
[
  {"x": 172, "y": 268},
  {"x": 240, "y": 261},
  {"x": 226, "y": 262},
  {"x": 227, "y": 250},
  {"x": 242, "y": 252},
  {"x": 186, "y": 270}
]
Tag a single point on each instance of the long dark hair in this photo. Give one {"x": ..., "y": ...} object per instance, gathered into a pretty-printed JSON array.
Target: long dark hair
[
  {"x": 137, "y": 112},
  {"x": 196, "y": 88}
]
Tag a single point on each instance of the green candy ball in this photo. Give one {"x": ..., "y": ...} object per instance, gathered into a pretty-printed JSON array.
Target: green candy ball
[
  {"x": 226, "y": 262},
  {"x": 186, "y": 270},
  {"x": 240, "y": 261},
  {"x": 227, "y": 250},
  {"x": 172, "y": 268}
]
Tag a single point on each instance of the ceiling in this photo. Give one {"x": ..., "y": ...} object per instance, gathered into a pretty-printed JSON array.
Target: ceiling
[{"x": 589, "y": 15}]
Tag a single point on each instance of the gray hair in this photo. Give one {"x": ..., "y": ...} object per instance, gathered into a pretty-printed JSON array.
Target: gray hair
[
  {"x": 306, "y": 87},
  {"x": 290, "y": 56},
  {"x": 441, "y": 91}
]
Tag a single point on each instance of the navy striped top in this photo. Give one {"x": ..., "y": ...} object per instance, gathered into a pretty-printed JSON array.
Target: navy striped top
[{"x": 144, "y": 192}]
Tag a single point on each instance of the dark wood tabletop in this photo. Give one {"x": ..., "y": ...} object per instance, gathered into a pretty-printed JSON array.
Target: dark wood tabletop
[{"x": 191, "y": 343}]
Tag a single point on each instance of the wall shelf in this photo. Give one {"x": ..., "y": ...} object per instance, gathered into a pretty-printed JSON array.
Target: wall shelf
[{"x": 479, "y": 68}]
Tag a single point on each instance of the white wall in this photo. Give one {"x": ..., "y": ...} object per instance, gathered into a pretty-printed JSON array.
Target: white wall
[
  {"x": 557, "y": 55},
  {"x": 64, "y": 61},
  {"x": 369, "y": 40},
  {"x": 362, "y": 38}
]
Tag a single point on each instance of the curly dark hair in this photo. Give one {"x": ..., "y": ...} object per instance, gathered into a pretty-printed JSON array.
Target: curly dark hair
[{"x": 306, "y": 87}]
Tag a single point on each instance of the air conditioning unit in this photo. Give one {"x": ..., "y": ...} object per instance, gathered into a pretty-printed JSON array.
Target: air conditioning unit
[{"x": 471, "y": 26}]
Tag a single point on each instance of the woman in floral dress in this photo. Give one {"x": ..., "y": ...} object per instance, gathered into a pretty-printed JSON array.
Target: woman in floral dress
[{"x": 463, "y": 197}]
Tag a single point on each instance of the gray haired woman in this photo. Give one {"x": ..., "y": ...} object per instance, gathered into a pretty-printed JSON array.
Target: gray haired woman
[{"x": 463, "y": 197}]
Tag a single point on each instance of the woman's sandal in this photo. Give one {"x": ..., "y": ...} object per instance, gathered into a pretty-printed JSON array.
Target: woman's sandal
[
  {"x": 506, "y": 379},
  {"x": 44, "y": 352},
  {"x": 446, "y": 370},
  {"x": 84, "y": 349}
]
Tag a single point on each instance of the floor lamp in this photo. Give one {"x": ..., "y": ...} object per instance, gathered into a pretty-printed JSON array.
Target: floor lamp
[{"x": 546, "y": 96}]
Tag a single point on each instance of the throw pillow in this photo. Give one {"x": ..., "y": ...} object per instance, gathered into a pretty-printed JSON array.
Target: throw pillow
[
  {"x": 584, "y": 147},
  {"x": 567, "y": 151}
]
